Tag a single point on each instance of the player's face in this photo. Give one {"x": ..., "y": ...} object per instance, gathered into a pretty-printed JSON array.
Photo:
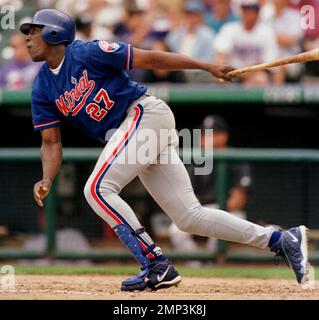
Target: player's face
[
  {"x": 216, "y": 140},
  {"x": 221, "y": 8},
  {"x": 249, "y": 17},
  {"x": 194, "y": 19},
  {"x": 38, "y": 49}
]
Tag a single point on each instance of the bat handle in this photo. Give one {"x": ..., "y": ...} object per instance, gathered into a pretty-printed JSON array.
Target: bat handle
[{"x": 237, "y": 72}]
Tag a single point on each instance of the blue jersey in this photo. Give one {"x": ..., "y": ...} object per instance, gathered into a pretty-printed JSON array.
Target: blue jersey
[{"x": 92, "y": 89}]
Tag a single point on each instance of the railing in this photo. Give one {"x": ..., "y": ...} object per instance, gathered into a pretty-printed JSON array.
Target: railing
[
  {"x": 205, "y": 94},
  {"x": 221, "y": 162}
]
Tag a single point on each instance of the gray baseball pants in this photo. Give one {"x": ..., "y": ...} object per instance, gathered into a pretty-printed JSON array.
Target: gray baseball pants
[{"x": 145, "y": 145}]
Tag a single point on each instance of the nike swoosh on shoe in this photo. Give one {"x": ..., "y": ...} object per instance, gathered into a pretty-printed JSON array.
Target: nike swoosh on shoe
[{"x": 161, "y": 277}]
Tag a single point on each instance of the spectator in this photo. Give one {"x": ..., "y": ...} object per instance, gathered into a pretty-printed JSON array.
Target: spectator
[
  {"x": 152, "y": 76},
  {"x": 248, "y": 42},
  {"x": 163, "y": 16},
  {"x": 204, "y": 185},
  {"x": 72, "y": 9},
  {"x": 218, "y": 139},
  {"x": 193, "y": 38},
  {"x": 84, "y": 28},
  {"x": 220, "y": 14},
  {"x": 267, "y": 10},
  {"x": 288, "y": 38},
  {"x": 104, "y": 13},
  {"x": 156, "y": 18},
  {"x": 41, "y": 4},
  {"x": 19, "y": 72},
  {"x": 132, "y": 28},
  {"x": 171, "y": 11}
]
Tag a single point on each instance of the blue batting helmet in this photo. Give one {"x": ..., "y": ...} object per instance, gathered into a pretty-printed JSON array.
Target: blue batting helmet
[{"x": 58, "y": 27}]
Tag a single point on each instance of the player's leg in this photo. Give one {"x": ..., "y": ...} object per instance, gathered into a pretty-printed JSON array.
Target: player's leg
[
  {"x": 170, "y": 186},
  {"x": 116, "y": 167}
]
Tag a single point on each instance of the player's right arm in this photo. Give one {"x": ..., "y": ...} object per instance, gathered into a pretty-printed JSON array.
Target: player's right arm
[
  {"x": 51, "y": 156},
  {"x": 102, "y": 54},
  {"x": 147, "y": 59}
]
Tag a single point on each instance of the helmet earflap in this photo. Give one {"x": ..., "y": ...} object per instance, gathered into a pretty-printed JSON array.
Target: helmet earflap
[{"x": 53, "y": 35}]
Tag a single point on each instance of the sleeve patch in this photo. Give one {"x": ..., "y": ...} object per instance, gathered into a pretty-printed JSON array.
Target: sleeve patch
[{"x": 109, "y": 46}]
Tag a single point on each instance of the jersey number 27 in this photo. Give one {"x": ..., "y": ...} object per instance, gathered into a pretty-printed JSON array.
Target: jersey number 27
[{"x": 95, "y": 110}]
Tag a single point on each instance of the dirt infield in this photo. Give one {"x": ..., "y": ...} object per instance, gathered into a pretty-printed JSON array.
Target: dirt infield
[{"x": 192, "y": 288}]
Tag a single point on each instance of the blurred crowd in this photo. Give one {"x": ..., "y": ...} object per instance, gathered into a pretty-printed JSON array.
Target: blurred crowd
[{"x": 238, "y": 32}]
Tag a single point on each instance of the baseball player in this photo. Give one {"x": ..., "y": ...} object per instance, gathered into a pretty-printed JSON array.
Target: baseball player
[{"x": 86, "y": 84}]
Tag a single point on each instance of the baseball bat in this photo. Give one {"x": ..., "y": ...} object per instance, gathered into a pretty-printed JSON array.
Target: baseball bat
[{"x": 298, "y": 58}]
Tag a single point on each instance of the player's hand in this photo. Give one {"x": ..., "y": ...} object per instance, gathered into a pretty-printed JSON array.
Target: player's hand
[
  {"x": 40, "y": 190},
  {"x": 220, "y": 72}
]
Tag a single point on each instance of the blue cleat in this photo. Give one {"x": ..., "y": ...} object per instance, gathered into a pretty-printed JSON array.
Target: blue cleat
[
  {"x": 160, "y": 275},
  {"x": 293, "y": 248},
  {"x": 136, "y": 282}
]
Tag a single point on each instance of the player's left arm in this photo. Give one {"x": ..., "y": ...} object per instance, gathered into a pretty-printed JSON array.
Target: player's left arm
[{"x": 145, "y": 59}]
